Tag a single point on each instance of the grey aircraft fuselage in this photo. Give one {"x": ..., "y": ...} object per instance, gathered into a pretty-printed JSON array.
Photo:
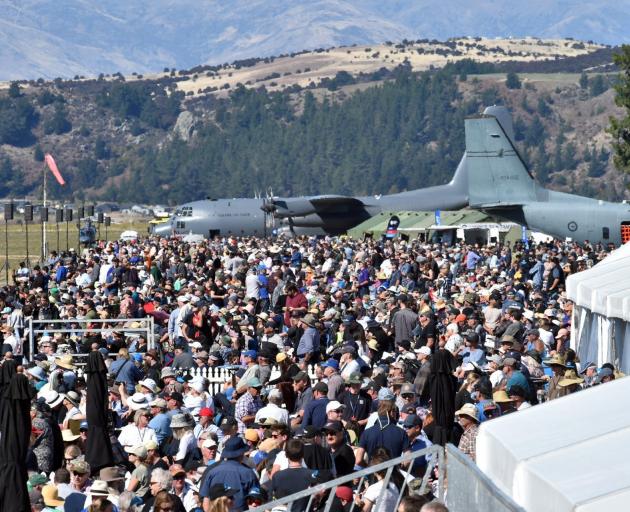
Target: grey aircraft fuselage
[{"x": 309, "y": 215}]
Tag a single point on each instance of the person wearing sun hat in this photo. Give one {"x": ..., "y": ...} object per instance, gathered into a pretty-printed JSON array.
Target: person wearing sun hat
[
  {"x": 556, "y": 363},
  {"x": 51, "y": 498},
  {"x": 469, "y": 419},
  {"x": 571, "y": 382}
]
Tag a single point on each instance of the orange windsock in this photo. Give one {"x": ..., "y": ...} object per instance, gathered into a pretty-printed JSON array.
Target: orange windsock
[{"x": 50, "y": 161}]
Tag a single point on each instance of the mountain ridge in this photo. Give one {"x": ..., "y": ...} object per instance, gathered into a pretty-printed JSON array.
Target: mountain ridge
[{"x": 64, "y": 38}]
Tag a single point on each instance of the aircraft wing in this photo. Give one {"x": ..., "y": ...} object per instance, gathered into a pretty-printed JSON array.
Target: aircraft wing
[
  {"x": 335, "y": 203},
  {"x": 319, "y": 205}
]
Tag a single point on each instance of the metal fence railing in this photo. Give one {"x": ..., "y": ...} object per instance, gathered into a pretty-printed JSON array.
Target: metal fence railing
[
  {"x": 79, "y": 326},
  {"x": 434, "y": 454},
  {"x": 470, "y": 489}
]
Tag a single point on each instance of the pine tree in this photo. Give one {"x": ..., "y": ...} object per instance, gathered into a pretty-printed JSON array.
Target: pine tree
[{"x": 620, "y": 127}]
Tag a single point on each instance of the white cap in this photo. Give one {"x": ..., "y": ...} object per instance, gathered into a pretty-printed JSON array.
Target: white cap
[
  {"x": 423, "y": 350},
  {"x": 334, "y": 405}
]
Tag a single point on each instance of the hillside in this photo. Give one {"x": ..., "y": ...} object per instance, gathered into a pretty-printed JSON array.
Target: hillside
[
  {"x": 51, "y": 38},
  {"x": 356, "y": 120}
]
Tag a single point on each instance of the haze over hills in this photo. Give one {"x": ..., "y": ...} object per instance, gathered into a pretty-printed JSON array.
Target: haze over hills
[{"x": 45, "y": 38}]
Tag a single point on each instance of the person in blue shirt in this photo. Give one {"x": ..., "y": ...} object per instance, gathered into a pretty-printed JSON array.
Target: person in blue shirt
[
  {"x": 315, "y": 410},
  {"x": 161, "y": 422},
  {"x": 263, "y": 291},
  {"x": 417, "y": 441},
  {"x": 232, "y": 473},
  {"x": 384, "y": 433},
  {"x": 472, "y": 353}
]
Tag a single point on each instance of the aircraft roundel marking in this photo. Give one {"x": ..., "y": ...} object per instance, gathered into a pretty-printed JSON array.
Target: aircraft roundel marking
[{"x": 572, "y": 226}]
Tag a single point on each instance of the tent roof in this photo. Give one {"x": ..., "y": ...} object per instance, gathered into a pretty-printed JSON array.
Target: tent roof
[
  {"x": 569, "y": 454},
  {"x": 605, "y": 288},
  {"x": 411, "y": 221}
]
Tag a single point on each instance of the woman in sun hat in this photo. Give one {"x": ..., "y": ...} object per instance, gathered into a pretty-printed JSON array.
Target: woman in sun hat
[{"x": 182, "y": 426}]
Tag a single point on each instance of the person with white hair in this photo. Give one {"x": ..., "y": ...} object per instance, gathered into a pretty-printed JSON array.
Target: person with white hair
[
  {"x": 453, "y": 338},
  {"x": 273, "y": 409}
]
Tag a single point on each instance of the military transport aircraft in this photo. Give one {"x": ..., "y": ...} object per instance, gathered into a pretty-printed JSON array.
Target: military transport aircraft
[
  {"x": 500, "y": 184},
  {"x": 311, "y": 215}
]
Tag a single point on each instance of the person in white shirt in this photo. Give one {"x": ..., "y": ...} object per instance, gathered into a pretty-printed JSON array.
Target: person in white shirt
[
  {"x": 139, "y": 432},
  {"x": 273, "y": 409}
]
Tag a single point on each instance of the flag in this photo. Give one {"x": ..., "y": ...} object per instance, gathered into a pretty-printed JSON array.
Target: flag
[{"x": 50, "y": 161}]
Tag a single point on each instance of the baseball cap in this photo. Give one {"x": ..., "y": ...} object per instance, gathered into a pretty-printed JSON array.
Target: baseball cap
[
  {"x": 138, "y": 451},
  {"x": 412, "y": 420},
  {"x": 386, "y": 394},
  {"x": 334, "y": 405},
  {"x": 344, "y": 493},
  {"x": 206, "y": 411},
  {"x": 333, "y": 363},
  {"x": 209, "y": 443},
  {"x": 423, "y": 350},
  {"x": 333, "y": 426},
  {"x": 299, "y": 376},
  {"x": 250, "y": 353}
]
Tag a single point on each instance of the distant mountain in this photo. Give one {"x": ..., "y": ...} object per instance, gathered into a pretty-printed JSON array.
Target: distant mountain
[{"x": 51, "y": 38}]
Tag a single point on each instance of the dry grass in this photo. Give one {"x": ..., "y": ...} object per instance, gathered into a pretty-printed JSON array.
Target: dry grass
[
  {"x": 368, "y": 59},
  {"x": 16, "y": 234}
]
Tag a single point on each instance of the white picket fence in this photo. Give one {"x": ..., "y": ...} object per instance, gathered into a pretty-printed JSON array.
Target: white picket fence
[{"x": 216, "y": 377}]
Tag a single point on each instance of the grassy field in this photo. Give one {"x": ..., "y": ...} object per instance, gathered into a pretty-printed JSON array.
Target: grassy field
[{"x": 17, "y": 246}]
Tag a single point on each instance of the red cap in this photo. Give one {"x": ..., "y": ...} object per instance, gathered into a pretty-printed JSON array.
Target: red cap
[
  {"x": 206, "y": 411},
  {"x": 344, "y": 493}
]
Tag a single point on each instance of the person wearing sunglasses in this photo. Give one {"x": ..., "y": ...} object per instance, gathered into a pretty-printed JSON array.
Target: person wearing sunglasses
[
  {"x": 343, "y": 454},
  {"x": 417, "y": 441}
]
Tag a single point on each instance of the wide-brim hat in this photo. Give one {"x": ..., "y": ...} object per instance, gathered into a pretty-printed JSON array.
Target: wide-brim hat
[
  {"x": 50, "y": 494},
  {"x": 65, "y": 361},
  {"x": 309, "y": 320},
  {"x": 99, "y": 488},
  {"x": 150, "y": 384},
  {"x": 470, "y": 411},
  {"x": 570, "y": 378},
  {"x": 137, "y": 401},
  {"x": 182, "y": 420},
  {"x": 234, "y": 448},
  {"x": 68, "y": 436},
  {"x": 555, "y": 360},
  {"x": 53, "y": 399}
]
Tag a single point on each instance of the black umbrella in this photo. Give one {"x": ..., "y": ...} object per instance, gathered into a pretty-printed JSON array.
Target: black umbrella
[
  {"x": 15, "y": 432},
  {"x": 99, "y": 448},
  {"x": 443, "y": 387}
]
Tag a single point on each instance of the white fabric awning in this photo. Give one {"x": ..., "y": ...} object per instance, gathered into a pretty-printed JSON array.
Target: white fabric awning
[
  {"x": 605, "y": 288},
  {"x": 570, "y": 454}
]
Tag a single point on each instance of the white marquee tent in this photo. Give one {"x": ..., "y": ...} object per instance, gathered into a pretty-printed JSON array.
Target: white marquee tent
[
  {"x": 569, "y": 454},
  {"x": 601, "y": 316}
]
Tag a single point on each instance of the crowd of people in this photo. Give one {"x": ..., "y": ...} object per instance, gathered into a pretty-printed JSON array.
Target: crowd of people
[{"x": 340, "y": 354}]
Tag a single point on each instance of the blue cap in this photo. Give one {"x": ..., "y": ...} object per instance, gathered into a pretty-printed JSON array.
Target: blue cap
[
  {"x": 386, "y": 394},
  {"x": 250, "y": 353},
  {"x": 333, "y": 363},
  {"x": 137, "y": 357}
]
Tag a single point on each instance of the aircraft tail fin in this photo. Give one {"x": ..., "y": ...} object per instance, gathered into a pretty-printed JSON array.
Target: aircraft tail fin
[{"x": 497, "y": 176}]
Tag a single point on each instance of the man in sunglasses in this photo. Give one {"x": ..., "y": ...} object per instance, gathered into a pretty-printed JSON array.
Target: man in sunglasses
[
  {"x": 342, "y": 452},
  {"x": 417, "y": 441}
]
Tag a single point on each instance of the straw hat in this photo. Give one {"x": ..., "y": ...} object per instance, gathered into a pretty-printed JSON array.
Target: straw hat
[
  {"x": 137, "y": 401},
  {"x": 50, "y": 494},
  {"x": 555, "y": 360},
  {"x": 65, "y": 361},
  {"x": 501, "y": 397},
  {"x": 570, "y": 378},
  {"x": 470, "y": 411},
  {"x": 99, "y": 488}
]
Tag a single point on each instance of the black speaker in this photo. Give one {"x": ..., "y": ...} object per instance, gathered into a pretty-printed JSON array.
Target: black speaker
[
  {"x": 80, "y": 212},
  {"x": 28, "y": 213},
  {"x": 67, "y": 215},
  {"x": 43, "y": 214},
  {"x": 100, "y": 218},
  {"x": 8, "y": 211},
  {"x": 89, "y": 210},
  {"x": 108, "y": 221},
  {"x": 58, "y": 215}
]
